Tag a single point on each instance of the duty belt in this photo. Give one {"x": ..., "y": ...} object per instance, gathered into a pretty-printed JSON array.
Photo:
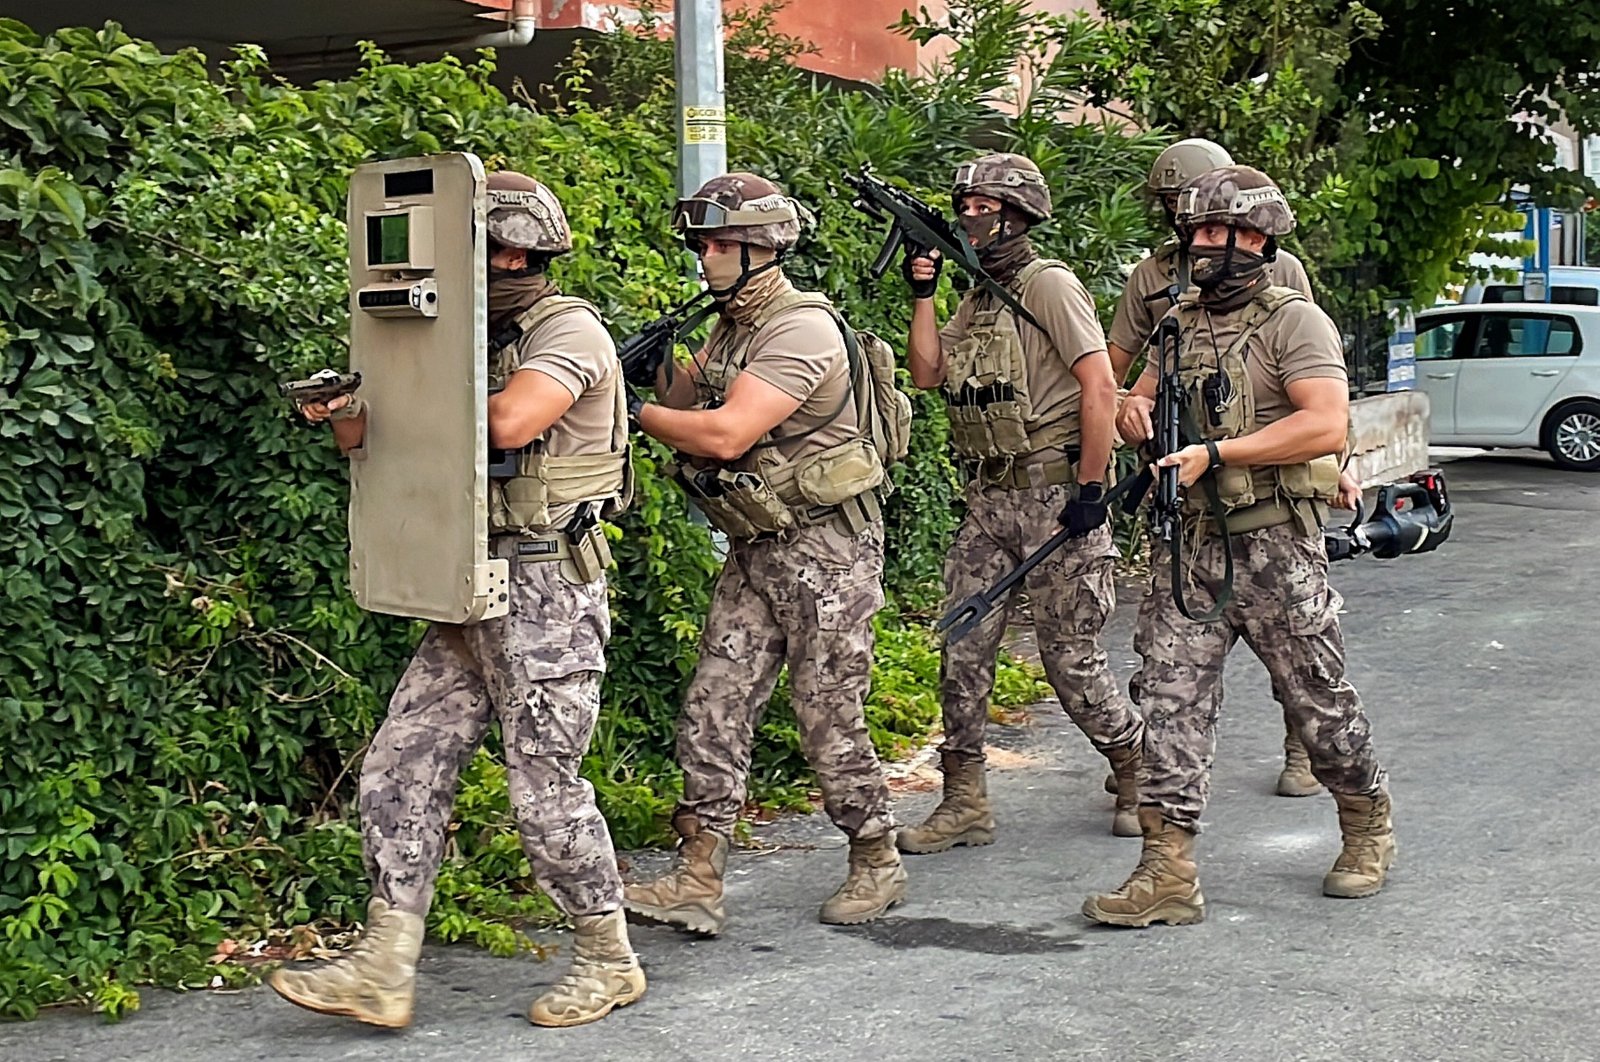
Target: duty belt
[
  {"x": 851, "y": 517},
  {"x": 1008, "y": 474},
  {"x": 532, "y": 549},
  {"x": 1308, "y": 513}
]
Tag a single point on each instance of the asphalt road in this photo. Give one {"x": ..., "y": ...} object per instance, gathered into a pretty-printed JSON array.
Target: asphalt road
[{"x": 1476, "y": 666}]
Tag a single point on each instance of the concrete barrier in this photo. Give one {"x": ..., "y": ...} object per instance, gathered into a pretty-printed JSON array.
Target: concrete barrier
[{"x": 1388, "y": 437}]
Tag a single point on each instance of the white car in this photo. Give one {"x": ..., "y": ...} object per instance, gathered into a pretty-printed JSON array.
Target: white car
[{"x": 1514, "y": 375}]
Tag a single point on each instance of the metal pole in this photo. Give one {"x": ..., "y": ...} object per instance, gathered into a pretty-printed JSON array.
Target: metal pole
[
  {"x": 702, "y": 115},
  {"x": 702, "y": 123}
]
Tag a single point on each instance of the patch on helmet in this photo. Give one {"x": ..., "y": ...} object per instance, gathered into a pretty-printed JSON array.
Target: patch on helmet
[{"x": 1247, "y": 199}]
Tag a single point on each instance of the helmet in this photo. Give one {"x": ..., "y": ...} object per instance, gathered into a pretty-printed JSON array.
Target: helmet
[
  {"x": 1237, "y": 196},
  {"x": 1012, "y": 179},
  {"x": 740, "y": 207},
  {"x": 1183, "y": 162},
  {"x": 526, "y": 215}
]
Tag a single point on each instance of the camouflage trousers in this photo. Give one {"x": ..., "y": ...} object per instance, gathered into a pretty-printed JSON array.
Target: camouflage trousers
[
  {"x": 806, "y": 600},
  {"x": 537, "y": 671},
  {"x": 1071, "y": 592},
  {"x": 1287, "y": 613}
]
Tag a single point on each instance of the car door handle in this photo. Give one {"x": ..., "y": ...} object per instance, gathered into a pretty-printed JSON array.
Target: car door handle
[
  {"x": 1544, "y": 372},
  {"x": 1441, "y": 376}
]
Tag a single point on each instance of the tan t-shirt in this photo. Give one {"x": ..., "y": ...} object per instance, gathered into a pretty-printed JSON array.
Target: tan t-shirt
[
  {"x": 574, "y": 349},
  {"x": 1060, "y": 303},
  {"x": 1145, "y": 301},
  {"x": 1298, "y": 342},
  {"x": 801, "y": 352}
]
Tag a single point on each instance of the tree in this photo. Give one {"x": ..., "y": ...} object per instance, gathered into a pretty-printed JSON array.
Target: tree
[
  {"x": 1397, "y": 127},
  {"x": 1445, "y": 111}
]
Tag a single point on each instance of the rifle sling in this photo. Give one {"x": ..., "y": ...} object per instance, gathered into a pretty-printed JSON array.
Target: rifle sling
[{"x": 1219, "y": 519}]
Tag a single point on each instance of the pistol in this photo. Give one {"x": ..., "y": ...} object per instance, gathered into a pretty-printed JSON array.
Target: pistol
[{"x": 322, "y": 386}]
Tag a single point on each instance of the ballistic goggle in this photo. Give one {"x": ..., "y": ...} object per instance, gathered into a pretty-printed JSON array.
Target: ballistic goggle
[{"x": 704, "y": 214}]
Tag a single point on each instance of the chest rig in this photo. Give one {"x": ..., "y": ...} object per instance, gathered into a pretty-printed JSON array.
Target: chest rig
[
  {"x": 1219, "y": 403},
  {"x": 527, "y": 484},
  {"x": 765, "y": 492},
  {"x": 987, "y": 390}
]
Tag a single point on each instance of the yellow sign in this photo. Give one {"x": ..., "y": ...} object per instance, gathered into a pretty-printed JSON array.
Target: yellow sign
[
  {"x": 704, "y": 134},
  {"x": 704, "y": 125}
]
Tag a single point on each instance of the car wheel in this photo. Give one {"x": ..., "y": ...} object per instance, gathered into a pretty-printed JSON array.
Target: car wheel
[{"x": 1573, "y": 437}]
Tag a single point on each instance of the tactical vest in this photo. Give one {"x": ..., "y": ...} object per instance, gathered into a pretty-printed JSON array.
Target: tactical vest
[
  {"x": 522, "y": 503},
  {"x": 1218, "y": 403},
  {"x": 766, "y": 492},
  {"x": 986, "y": 387}
]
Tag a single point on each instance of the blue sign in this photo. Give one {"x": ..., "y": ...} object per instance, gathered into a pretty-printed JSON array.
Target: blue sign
[{"x": 1402, "y": 350}]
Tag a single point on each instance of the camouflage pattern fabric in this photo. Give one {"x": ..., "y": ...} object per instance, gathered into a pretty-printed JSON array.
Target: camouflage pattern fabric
[
  {"x": 1013, "y": 179},
  {"x": 1235, "y": 195},
  {"x": 537, "y": 671},
  {"x": 1287, "y": 613},
  {"x": 1071, "y": 593},
  {"x": 524, "y": 213},
  {"x": 751, "y": 194},
  {"x": 806, "y": 599}
]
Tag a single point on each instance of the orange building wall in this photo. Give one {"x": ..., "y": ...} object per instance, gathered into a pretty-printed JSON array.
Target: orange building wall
[{"x": 852, "y": 37}]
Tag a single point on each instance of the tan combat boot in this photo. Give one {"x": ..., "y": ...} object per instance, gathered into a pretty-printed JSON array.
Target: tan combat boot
[
  {"x": 877, "y": 881},
  {"x": 962, "y": 817},
  {"x": 1164, "y": 887},
  {"x": 605, "y": 975},
  {"x": 373, "y": 982},
  {"x": 1125, "y": 772},
  {"x": 689, "y": 896},
  {"x": 1296, "y": 779},
  {"x": 1369, "y": 847}
]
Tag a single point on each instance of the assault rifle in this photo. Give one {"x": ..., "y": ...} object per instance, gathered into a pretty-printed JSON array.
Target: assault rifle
[
  {"x": 1172, "y": 422},
  {"x": 1166, "y": 513},
  {"x": 964, "y": 618},
  {"x": 919, "y": 227},
  {"x": 1413, "y": 516},
  {"x": 645, "y": 351}
]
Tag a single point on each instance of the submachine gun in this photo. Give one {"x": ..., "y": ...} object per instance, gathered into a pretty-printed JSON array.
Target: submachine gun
[
  {"x": 650, "y": 347},
  {"x": 1412, "y": 516},
  {"x": 919, "y": 227},
  {"x": 1166, "y": 510}
]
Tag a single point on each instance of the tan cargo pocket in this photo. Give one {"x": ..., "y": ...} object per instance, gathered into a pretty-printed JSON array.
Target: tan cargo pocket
[
  {"x": 1314, "y": 614},
  {"x": 1314, "y": 479},
  {"x": 851, "y": 608},
  {"x": 839, "y": 473},
  {"x": 746, "y": 506},
  {"x": 1006, "y": 427},
  {"x": 1235, "y": 487}
]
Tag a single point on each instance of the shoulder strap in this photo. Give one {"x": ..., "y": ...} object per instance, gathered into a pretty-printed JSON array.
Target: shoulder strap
[
  {"x": 1025, "y": 276},
  {"x": 537, "y": 314},
  {"x": 852, "y": 353},
  {"x": 1277, "y": 296},
  {"x": 789, "y": 300},
  {"x": 1262, "y": 309}
]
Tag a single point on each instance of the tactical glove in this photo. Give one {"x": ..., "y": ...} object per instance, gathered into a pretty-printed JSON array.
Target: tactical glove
[
  {"x": 921, "y": 289},
  {"x": 635, "y": 404},
  {"x": 1085, "y": 511},
  {"x": 641, "y": 372}
]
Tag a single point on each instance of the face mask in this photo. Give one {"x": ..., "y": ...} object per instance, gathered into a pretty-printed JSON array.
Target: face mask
[
  {"x": 1211, "y": 266},
  {"x": 722, "y": 272},
  {"x": 983, "y": 230}
]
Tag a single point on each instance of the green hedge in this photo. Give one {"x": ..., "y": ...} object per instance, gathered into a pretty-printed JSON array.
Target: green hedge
[{"x": 187, "y": 686}]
